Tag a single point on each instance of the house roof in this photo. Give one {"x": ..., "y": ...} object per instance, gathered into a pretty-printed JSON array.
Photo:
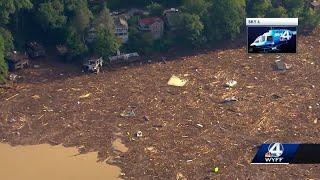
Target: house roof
[{"x": 149, "y": 21}]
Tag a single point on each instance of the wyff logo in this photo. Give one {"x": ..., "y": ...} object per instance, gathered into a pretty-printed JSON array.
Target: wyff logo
[
  {"x": 275, "y": 153},
  {"x": 275, "y": 150}
]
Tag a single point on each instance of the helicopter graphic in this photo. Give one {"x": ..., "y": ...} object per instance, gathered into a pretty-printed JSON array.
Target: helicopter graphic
[{"x": 272, "y": 40}]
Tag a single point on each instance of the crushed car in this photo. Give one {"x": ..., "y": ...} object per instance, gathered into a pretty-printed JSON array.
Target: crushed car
[
  {"x": 16, "y": 60},
  {"x": 93, "y": 65}
]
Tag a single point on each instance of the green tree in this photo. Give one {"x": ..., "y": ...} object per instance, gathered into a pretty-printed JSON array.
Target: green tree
[
  {"x": 163, "y": 44},
  {"x": 198, "y": 7},
  {"x": 7, "y": 38},
  {"x": 310, "y": 19},
  {"x": 258, "y": 8},
  {"x": 279, "y": 12},
  {"x": 134, "y": 37},
  {"x": 142, "y": 43},
  {"x": 8, "y": 7},
  {"x": 146, "y": 43},
  {"x": 294, "y": 7},
  {"x": 133, "y": 21},
  {"x": 51, "y": 14},
  {"x": 191, "y": 29},
  {"x": 3, "y": 65},
  {"x": 105, "y": 43},
  {"x": 75, "y": 44},
  {"x": 155, "y": 9},
  {"x": 82, "y": 18},
  {"x": 72, "y": 5},
  {"x": 79, "y": 18},
  {"x": 171, "y": 3},
  {"x": 226, "y": 19},
  {"x": 104, "y": 19}
]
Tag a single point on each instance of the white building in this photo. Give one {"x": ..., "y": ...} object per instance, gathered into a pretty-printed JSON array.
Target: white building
[{"x": 121, "y": 28}]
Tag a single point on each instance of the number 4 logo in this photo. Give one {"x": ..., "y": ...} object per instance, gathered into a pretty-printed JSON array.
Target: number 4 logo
[{"x": 275, "y": 149}]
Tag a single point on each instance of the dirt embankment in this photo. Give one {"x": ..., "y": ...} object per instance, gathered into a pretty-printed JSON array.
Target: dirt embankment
[{"x": 185, "y": 130}]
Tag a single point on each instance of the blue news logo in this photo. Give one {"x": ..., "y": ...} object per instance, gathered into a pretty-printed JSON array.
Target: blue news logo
[
  {"x": 275, "y": 150},
  {"x": 275, "y": 153}
]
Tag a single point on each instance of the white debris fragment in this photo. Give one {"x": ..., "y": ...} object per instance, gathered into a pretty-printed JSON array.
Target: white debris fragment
[
  {"x": 128, "y": 113},
  {"x": 139, "y": 134},
  {"x": 176, "y": 81},
  {"x": 230, "y": 99},
  {"x": 180, "y": 176},
  {"x": 200, "y": 125},
  {"x": 231, "y": 83},
  {"x": 13, "y": 77}
]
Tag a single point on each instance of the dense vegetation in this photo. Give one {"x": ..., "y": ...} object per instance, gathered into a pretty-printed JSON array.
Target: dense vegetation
[{"x": 201, "y": 22}]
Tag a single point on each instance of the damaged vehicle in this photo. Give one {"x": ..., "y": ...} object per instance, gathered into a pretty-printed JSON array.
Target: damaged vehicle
[
  {"x": 93, "y": 65},
  {"x": 16, "y": 60}
]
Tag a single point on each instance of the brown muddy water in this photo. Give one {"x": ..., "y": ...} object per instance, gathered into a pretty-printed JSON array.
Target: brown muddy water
[{"x": 47, "y": 162}]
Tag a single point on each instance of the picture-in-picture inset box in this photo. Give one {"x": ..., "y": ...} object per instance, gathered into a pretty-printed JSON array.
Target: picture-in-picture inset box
[{"x": 272, "y": 35}]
